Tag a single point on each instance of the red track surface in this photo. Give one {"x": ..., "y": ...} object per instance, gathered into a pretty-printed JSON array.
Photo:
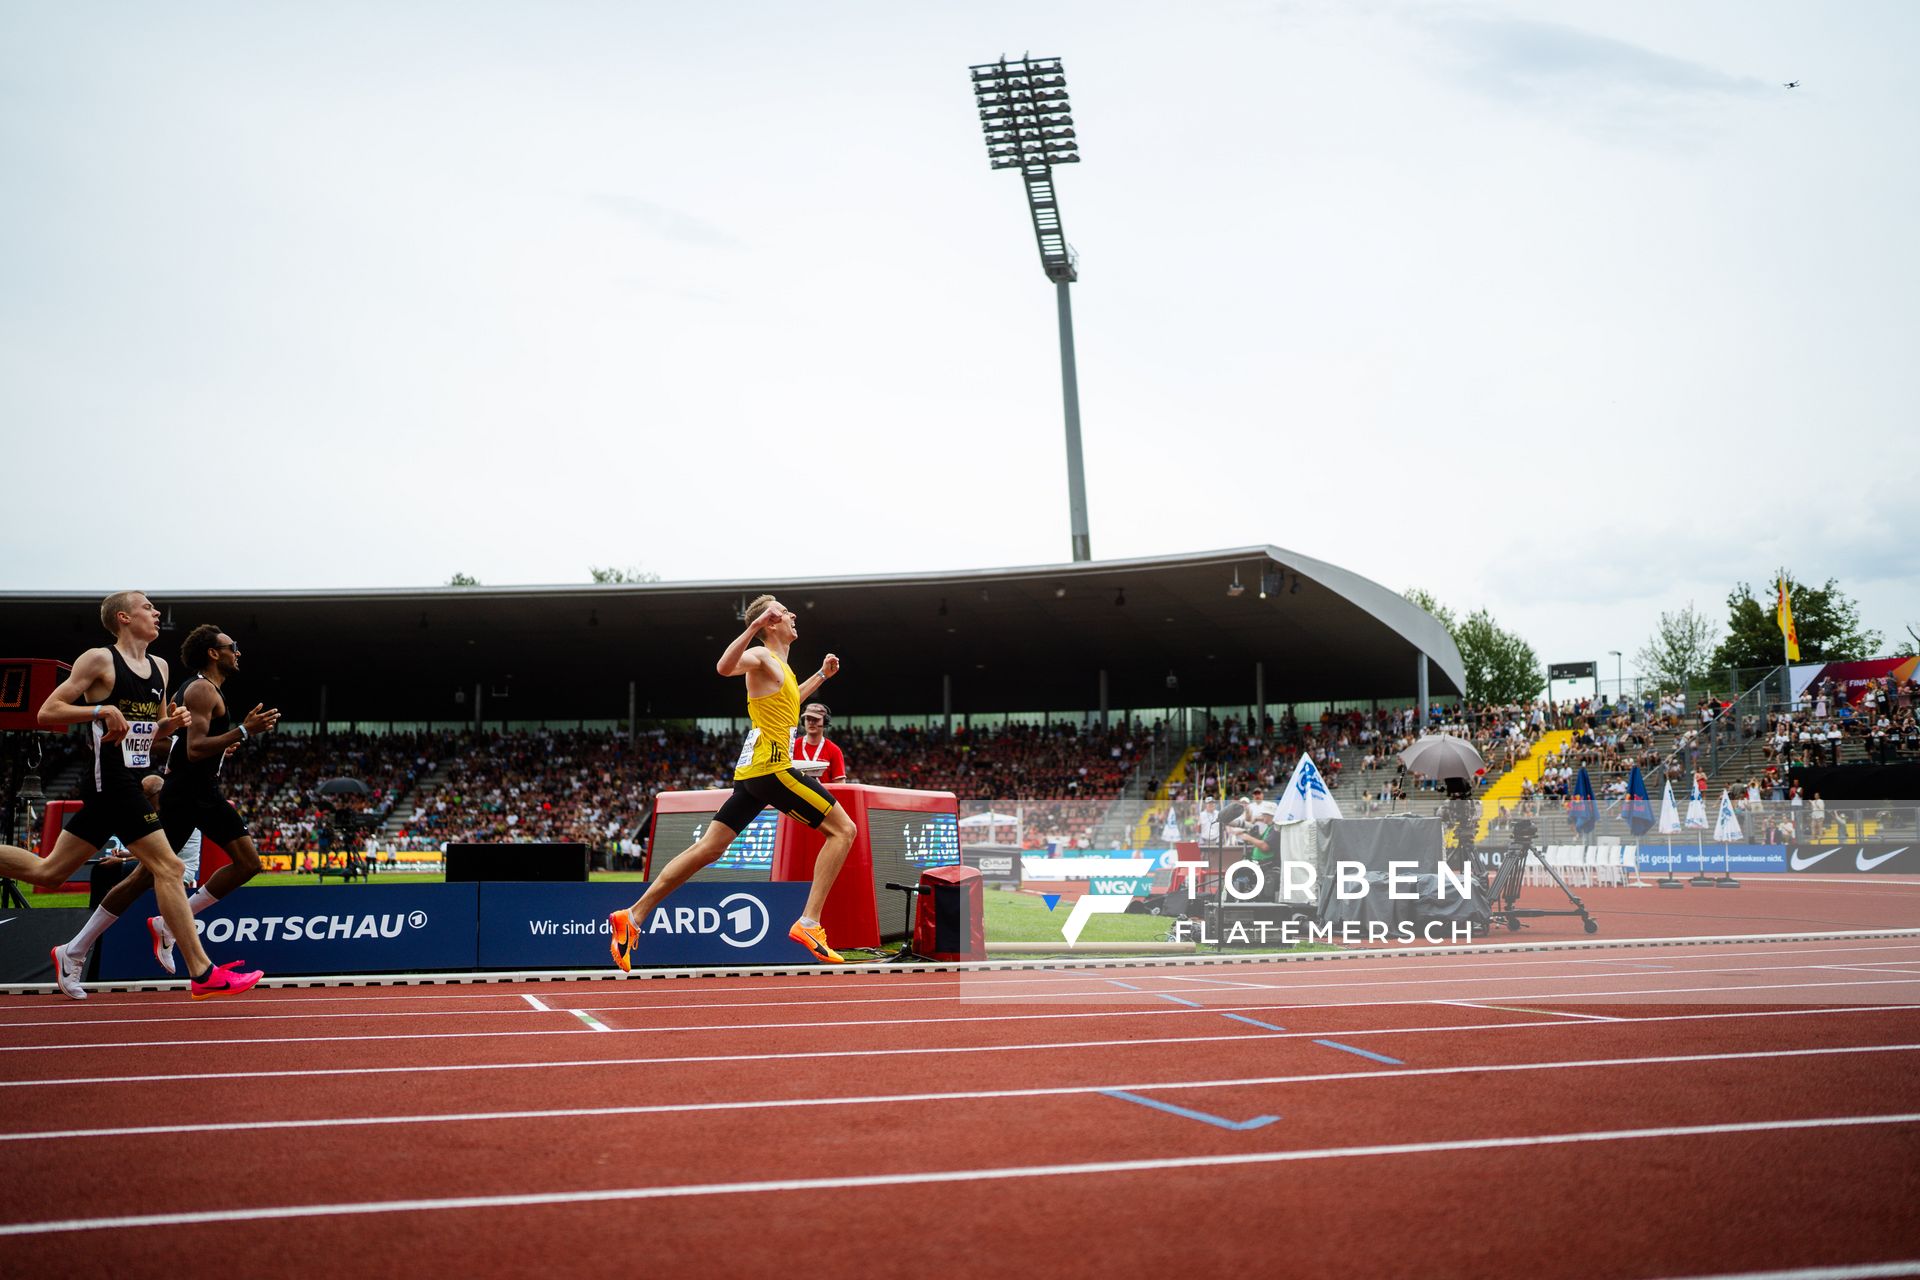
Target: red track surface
[{"x": 1712, "y": 1109}]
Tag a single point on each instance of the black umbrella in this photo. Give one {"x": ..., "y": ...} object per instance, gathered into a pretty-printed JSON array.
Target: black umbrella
[{"x": 343, "y": 787}]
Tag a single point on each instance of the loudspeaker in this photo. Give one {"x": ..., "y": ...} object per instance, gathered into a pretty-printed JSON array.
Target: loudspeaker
[
  {"x": 565, "y": 863},
  {"x": 950, "y": 915}
]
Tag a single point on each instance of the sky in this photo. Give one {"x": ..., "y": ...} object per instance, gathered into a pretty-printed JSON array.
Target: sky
[{"x": 1567, "y": 310}]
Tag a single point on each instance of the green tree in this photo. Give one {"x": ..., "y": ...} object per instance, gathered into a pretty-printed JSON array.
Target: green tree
[
  {"x": 1501, "y": 667},
  {"x": 1424, "y": 598},
  {"x": 463, "y": 580},
  {"x": 632, "y": 573},
  {"x": 1827, "y": 620},
  {"x": 1681, "y": 651}
]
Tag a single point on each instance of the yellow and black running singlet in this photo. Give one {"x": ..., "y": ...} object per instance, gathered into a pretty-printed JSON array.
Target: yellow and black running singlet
[{"x": 775, "y": 717}]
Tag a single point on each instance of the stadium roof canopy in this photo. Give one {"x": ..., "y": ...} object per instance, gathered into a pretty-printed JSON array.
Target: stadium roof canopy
[{"x": 1016, "y": 639}]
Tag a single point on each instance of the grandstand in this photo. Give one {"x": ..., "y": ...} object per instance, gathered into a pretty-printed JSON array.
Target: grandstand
[{"x": 1074, "y": 689}]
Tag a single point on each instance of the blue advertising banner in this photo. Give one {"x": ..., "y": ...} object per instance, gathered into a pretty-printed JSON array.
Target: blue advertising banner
[
  {"x": 564, "y": 926},
  {"x": 314, "y": 929},
  {"x": 1712, "y": 857}
]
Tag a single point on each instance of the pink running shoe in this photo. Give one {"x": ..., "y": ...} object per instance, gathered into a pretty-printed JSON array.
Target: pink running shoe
[{"x": 224, "y": 980}]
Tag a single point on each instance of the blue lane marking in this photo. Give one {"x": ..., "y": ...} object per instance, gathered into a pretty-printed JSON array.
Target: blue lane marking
[
  {"x": 1128, "y": 985},
  {"x": 1238, "y": 1017},
  {"x": 1168, "y": 1107},
  {"x": 1377, "y": 1057},
  {"x": 1191, "y": 1004}
]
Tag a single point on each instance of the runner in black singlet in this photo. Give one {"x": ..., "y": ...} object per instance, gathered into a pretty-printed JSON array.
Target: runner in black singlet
[
  {"x": 191, "y": 800},
  {"x": 119, "y": 694}
]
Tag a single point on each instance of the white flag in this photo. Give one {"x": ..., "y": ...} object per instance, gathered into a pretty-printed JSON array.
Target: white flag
[
  {"x": 1669, "y": 815},
  {"x": 1306, "y": 798},
  {"x": 1696, "y": 808},
  {"x": 1728, "y": 828}
]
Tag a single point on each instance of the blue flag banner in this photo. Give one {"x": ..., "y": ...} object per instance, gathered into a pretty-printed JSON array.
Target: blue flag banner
[
  {"x": 1637, "y": 810},
  {"x": 1581, "y": 811}
]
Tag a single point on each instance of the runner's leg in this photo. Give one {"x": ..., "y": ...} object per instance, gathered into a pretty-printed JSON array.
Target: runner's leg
[
  {"x": 169, "y": 890},
  {"x": 833, "y": 855},
  {"x": 701, "y": 853},
  {"x": 69, "y": 853}
]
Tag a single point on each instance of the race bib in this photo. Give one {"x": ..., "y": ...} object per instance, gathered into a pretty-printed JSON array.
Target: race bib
[
  {"x": 137, "y": 747},
  {"x": 746, "y": 749}
]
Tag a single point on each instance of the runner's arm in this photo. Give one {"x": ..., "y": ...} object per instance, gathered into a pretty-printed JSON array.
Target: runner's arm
[
  {"x": 828, "y": 669},
  {"x": 742, "y": 656},
  {"x": 62, "y": 707}
]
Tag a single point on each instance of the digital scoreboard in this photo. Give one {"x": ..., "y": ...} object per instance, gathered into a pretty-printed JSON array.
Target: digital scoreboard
[{"x": 25, "y": 683}]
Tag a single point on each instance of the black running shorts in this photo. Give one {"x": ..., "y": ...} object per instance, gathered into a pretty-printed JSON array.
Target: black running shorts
[
  {"x": 120, "y": 809},
  {"x": 212, "y": 816},
  {"x": 789, "y": 791}
]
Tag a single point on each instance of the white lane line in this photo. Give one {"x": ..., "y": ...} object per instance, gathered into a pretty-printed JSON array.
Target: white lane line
[
  {"x": 756, "y": 986},
  {"x": 1052, "y": 1016},
  {"x": 1866, "y": 968},
  {"x": 685, "y": 1190},
  {"x": 530, "y": 999},
  {"x": 971, "y": 1095},
  {"x": 1854, "y": 1271},
  {"x": 593, "y": 1023},
  {"x": 1711, "y": 943},
  {"x": 1220, "y": 987},
  {"x": 1554, "y": 1013},
  {"x": 923, "y": 1051}
]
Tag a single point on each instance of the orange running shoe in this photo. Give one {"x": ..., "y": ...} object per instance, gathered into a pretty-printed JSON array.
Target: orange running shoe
[
  {"x": 814, "y": 939},
  {"x": 625, "y": 934}
]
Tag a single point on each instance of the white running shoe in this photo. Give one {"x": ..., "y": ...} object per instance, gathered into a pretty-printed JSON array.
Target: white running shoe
[
  {"x": 66, "y": 974},
  {"x": 162, "y": 942}
]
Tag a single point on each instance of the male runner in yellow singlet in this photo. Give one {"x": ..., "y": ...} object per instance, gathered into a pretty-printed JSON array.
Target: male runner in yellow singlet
[{"x": 764, "y": 775}]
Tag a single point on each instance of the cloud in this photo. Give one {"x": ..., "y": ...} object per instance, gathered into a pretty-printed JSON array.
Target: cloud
[
  {"x": 667, "y": 223},
  {"x": 1595, "y": 82}
]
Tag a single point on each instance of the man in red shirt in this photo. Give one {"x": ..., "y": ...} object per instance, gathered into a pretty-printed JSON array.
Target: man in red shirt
[{"x": 813, "y": 744}]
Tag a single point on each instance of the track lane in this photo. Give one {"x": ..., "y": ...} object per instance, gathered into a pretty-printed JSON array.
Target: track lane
[{"x": 460, "y": 1158}]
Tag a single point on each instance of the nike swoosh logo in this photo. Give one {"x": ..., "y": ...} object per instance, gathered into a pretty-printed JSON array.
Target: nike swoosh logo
[
  {"x": 1862, "y": 861},
  {"x": 1801, "y": 864}
]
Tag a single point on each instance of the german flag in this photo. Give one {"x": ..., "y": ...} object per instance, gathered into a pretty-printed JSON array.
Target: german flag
[{"x": 1783, "y": 615}]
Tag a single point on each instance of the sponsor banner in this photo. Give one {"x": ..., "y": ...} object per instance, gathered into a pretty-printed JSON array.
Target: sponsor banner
[
  {"x": 1051, "y": 870},
  {"x": 315, "y": 929},
  {"x": 564, "y": 926},
  {"x": 1852, "y": 679},
  {"x": 997, "y": 864},
  {"x": 1881, "y": 858},
  {"x": 1710, "y": 857},
  {"x": 27, "y": 938}
]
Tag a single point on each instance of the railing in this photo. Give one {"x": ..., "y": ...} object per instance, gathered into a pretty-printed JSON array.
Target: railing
[{"x": 1761, "y": 822}]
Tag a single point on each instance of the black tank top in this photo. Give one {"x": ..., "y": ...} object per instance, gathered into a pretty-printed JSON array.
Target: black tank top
[
  {"x": 197, "y": 778},
  {"x": 139, "y": 699}
]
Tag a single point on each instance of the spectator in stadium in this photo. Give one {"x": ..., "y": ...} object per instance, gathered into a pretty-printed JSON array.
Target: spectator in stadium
[
  {"x": 813, "y": 743},
  {"x": 1208, "y": 823}
]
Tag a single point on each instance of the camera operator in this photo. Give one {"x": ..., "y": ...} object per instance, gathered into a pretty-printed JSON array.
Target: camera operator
[
  {"x": 1254, "y": 831},
  {"x": 1461, "y": 813}
]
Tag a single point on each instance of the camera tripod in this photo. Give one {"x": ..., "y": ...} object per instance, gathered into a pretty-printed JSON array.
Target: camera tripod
[{"x": 1505, "y": 890}]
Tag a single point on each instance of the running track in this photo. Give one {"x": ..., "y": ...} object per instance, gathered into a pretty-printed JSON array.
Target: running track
[{"x": 1654, "y": 1111}]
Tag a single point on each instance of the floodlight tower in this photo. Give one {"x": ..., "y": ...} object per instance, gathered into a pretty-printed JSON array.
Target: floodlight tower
[{"x": 1024, "y": 113}]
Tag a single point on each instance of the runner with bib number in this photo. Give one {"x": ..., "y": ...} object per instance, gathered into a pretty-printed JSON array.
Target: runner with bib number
[
  {"x": 763, "y": 775},
  {"x": 118, "y": 693}
]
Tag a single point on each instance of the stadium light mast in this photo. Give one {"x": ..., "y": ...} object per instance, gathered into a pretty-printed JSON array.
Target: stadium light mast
[{"x": 1025, "y": 115}]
